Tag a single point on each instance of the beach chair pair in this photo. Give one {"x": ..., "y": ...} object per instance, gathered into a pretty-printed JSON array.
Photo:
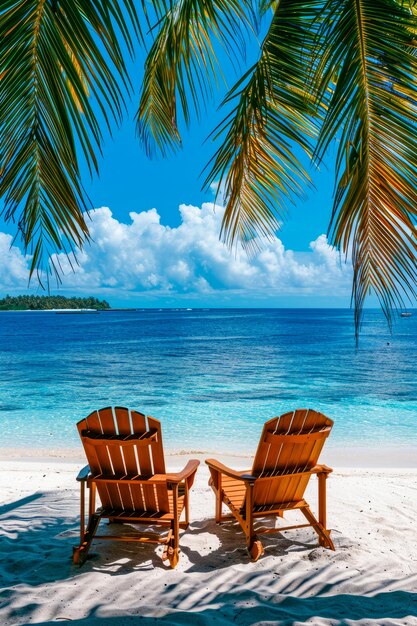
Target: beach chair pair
[{"x": 127, "y": 468}]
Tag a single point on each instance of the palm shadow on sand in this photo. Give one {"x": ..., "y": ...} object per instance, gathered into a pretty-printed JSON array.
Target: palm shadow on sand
[{"x": 36, "y": 538}]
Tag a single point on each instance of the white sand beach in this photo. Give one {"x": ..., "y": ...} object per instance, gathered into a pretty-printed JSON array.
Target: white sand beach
[{"x": 370, "y": 579}]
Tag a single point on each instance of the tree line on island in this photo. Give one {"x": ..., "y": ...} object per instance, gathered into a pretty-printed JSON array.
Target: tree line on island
[{"x": 44, "y": 303}]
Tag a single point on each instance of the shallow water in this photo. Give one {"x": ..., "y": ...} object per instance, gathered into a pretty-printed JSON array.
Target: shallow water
[{"x": 212, "y": 377}]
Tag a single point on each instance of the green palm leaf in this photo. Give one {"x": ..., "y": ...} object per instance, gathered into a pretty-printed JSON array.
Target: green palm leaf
[
  {"x": 367, "y": 76},
  {"x": 59, "y": 58},
  {"x": 273, "y": 116},
  {"x": 182, "y": 64}
]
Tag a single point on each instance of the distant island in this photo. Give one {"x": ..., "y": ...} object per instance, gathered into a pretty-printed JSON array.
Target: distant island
[{"x": 45, "y": 303}]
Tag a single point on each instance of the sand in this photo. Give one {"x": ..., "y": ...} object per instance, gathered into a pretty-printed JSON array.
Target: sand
[{"x": 370, "y": 579}]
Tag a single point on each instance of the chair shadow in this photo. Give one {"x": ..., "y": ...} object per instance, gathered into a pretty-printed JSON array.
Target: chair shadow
[
  {"x": 45, "y": 531},
  {"x": 226, "y": 546},
  {"x": 229, "y": 545},
  {"x": 37, "y": 535}
]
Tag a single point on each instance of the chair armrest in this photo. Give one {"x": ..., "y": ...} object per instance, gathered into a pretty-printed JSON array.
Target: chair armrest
[
  {"x": 84, "y": 474},
  {"x": 188, "y": 470},
  {"x": 321, "y": 469},
  {"x": 244, "y": 476}
]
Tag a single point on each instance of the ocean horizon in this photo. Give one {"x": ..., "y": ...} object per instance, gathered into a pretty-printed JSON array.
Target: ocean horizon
[{"x": 212, "y": 376}]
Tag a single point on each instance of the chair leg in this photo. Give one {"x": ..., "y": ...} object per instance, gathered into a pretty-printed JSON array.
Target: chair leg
[
  {"x": 173, "y": 549},
  {"x": 219, "y": 499},
  {"x": 322, "y": 481},
  {"x": 215, "y": 482},
  {"x": 323, "y": 533},
  {"x": 187, "y": 504},
  {"x": 80, "y": 552},
  {"x": 253, "y": 544},
  {"x": 92, "y": 499}
]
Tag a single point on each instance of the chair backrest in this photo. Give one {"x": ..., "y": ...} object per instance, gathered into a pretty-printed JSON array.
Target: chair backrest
[
  {"x": 120, "y": 443},
  {"x": 289, "y": 444}
]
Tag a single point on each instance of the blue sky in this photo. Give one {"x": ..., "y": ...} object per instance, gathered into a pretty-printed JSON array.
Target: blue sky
[
  {"x": 297, "y": 272},
  {"x": 129, "y": 180}
]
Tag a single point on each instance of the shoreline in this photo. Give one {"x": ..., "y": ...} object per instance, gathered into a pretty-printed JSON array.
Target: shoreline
[{"x": 378, "y": 457}]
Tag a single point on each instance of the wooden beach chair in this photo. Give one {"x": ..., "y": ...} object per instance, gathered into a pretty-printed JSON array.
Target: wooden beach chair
[
  {"x": 285, "y": 460},
  {"x": 126, "y": 467}
]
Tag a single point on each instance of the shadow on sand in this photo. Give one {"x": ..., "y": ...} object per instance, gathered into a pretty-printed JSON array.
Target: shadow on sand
[
  {"x": 36, "y": 538},
  {"x": 341, "y": 609}
]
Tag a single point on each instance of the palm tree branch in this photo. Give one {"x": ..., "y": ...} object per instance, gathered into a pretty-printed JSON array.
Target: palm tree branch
[
  {"x": 367, "y": 78},
  {"x": 54, "y": 74},
  {"x": 182, "y": 65},
  {"x": 256, "y": 165}
]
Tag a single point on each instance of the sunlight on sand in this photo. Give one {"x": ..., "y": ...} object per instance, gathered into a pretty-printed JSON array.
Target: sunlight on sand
[{"x": 370, "y": 579}]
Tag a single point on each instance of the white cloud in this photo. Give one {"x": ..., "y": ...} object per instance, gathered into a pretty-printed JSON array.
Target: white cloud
[
  {"x": 13, "y": 264},
  {"x": 145, "y": 256}
]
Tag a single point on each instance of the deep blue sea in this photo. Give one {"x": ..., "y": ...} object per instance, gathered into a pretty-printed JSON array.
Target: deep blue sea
[{"x": 211, "y": 376}]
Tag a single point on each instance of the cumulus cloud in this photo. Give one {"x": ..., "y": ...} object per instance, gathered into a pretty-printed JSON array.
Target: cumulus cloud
[
  {"x": 13, "y": 264},
  {"x": 144, "y": 256}
]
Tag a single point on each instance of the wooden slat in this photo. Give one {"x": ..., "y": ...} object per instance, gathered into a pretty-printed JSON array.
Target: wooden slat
[
  {"x": 157, "y": 449},
  {"x": 98, "y": 459},
  {"x": 116, "y": 465},
  {"x": 157, "y": 452},
  {"x": 145, "y": 462},
  {"x": 90, "y": 422},
  {"x": 138, "y": 429},
  {"x": 125, "y": 429}
]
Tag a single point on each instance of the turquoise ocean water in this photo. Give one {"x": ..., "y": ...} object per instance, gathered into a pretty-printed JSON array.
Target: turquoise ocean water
[{"x": 211, "y": 376}]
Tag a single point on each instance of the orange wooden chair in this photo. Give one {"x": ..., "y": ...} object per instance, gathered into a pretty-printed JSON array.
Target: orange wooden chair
[
  {"x": 127, "y": 468},
  {"x": 285, "y": 460}
]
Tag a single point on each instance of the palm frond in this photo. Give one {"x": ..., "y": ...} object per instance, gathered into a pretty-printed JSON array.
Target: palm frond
[
  {"x": 367, "y": 76},
  {"x": 256, "y": 163},
  {"x": 267, "y": 5},
  {"x": 59, "y": 58},
  {"x": 182, "y": 65}
]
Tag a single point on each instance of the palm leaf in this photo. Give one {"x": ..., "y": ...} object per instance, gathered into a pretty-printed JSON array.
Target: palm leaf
[
  {"x": 256, "y": 162},
  {"x": 59, "y": 58},
  {"x": 367, "y": 76},
  {"x": 182, "y": 65}
]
